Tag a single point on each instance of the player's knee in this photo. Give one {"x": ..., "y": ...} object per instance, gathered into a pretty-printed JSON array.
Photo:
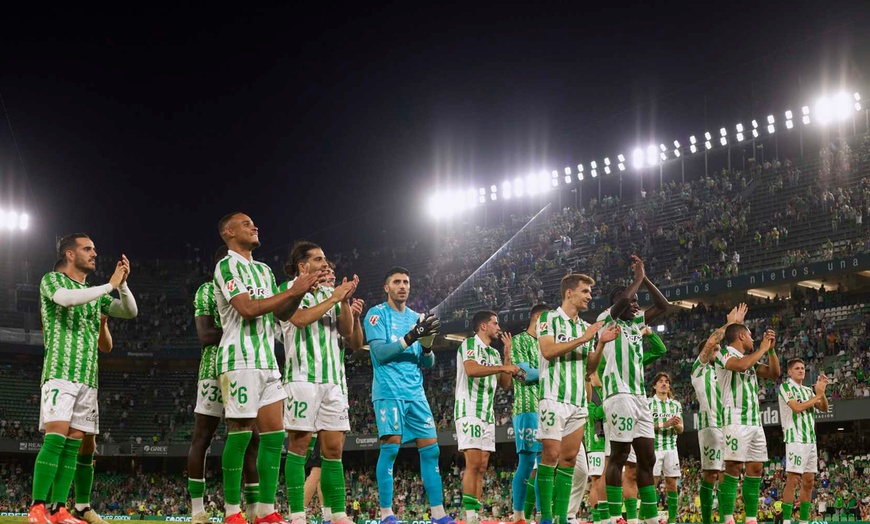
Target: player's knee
[
  {"x": 390, "y": 451},
  {"x": 710, "y": 476},
  {"x": 430, "y": 452}
]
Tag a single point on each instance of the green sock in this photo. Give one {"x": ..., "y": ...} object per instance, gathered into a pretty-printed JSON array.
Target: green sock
[
  {"x": 468, "y": 501},
  {"x": 787, "y": 508},
  {"x": 727, "y": 497},
  {"x": 603, "y": 511},
  {"x": 529, "y": 506},
  {"x": 45, "y": 468},
  {"x": 630, "y": 509},
  {"x": 672, "y": 506},
  {"x": 706, "y": 502},
  {"x": 294, "y": 476},
  {"x": 614, "y": 500},
  {"x": 233, "y": 460},
  {"x": 594, "y": 515},
  {"x": 333, "y": 485},
  {"x": 252, "y": 495},
  {"x": 269, "y": 464},
  {"x": 545, "y": 490},
  {"x": 84, "y": 478},
  {"x": 66, "y": 470},
  {"x": 805, "y": 511},
  {"x": 311, "y": 444},
  {"x": 196, "y": 488},
  {"x": 562, "y": 492},
  {"x": 751, "y": 489},
  {"x": 649, "y": 507}
]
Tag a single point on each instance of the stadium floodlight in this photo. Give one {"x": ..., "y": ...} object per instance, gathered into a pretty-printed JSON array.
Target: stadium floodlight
[
  {"x": 621, "y": 166},
  {"x": 693, "y": 148},
  {"x": 708, "y": 144},
  {"x": 555, "y": 174},
  {"x": 806, "y": 119},
  {"x": 723, "y": 140},
  {"x": 740, "y": 137},
  {"x": 754, "y": 124},
  {"x": 788, "y": 115},
  {"x": 580, "y": 176},
  {"x": 652, "y": 157},
  {"x": 470, "y": 198},
  {"x": 823, "y": 110},
  {"x": 739, "y": 128},
  {"x": 544, "y": 182},
  {"x": 805, "y": 110},
  {"x": 621, "y": 158},
  {"x": 606, "y": 170},
  {"x": 567, "y": 179},
  {"x": 432, "y": 206},
  {"x": 518, "y": 187},
  {"x": 677, "y": 153},
  {"x": 677, "y": 144},
  {"x": 568, "y": 170},
  {"x": 856, "y": 96},
  {"x": 755, "y": 133},
  {"x": 594, "y": 173},
  {"x": 482, "y": 199},
  {"x": 723, "y": 132},
  {"x": 771, "y": 129},
  {"x": 664, "y": 156},
  {"x": 579, "y": 168},
  {"x": 606, "y": 161},
  {"x": 493, "y": 188},
  {"x": 693, "y": 140},
  {"x": 23, "y": 221},
  {"x": 531, "y": 185},
  {"x": 555, "y": 181},
  {"x": 770, "y": 119},
  {"x": 789, "y": 124},
  {"x": 481, "y": 191},
  {"x": 593, "y": 164},
  {"x": 857, "y": 106},
  {"x": 708, "y": 136},
  {"x": 660, "y": 328},
  {"x": 637, "y": 158},
  {"x": 663, "y": 147},
  {"x": 506, "y": 189},
  {"x": 493, "y": 196}
]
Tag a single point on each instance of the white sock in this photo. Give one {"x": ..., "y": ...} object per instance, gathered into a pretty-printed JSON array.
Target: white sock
[
  {"x": 326, "y": 512},
  {"x": 339, "y": 515},
  {"x": 786, "y": 521},
  {"x": 438, "y": 512},
  {"x": 232, "y": 509},
  {"x": 264, "y": 509},
  {"x": 386, "y": 512},
  {"x": 653, "y": 520},
  {"x": 297, "y": 515},
  {"x": 728, "y": 517},
  {"x": 804, "y": 522},
  {"x": 633, "y": 521},
  {"x": 470, "y": 514},
  {"x": 82, "y": 507},
  {"x": 198, "y": 505},
  {"x": 519, "y": 515}
]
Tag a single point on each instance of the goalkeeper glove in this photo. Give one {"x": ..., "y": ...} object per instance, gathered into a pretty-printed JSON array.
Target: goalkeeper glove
[{"x": 426, "y": 328}]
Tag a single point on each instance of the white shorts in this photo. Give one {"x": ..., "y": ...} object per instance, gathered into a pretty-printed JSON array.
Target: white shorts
[
  {"x": 744, "y": 444},
  {"x": 711, "y": 441},
  {"x": 667, "y": 464},
  {"x": 801, "y": 458},
  {"x": 72, "y": 402},
  {"x": 245, "y": 391},
  {"x": 596, "y": 463},
  {"x": 628, "y": 417},
  {"x": 559, "y": 419},
  {"x": 632, "y": 458},
  {"x": 314, "y": 407},
  {"x": 473, "y": 433},
  {"x": 208, "y": 399}
]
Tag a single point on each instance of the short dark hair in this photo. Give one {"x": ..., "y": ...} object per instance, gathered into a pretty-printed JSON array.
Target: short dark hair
[
  {"x": 222, "y": 223},
  {"x": 793, "y": 361},
  {"x": 538, "y": 308},
  {"x": 616, "y": 294},
  {"x": 396, "y": 269},
  {"x": 220, "y": 253},
  {"x": 481, "y": 317},
  {"x": 66, "y": 243},
  {"x": 572, "y": 280},
  {"x": 733, "y": 331},
  {"x": 298, "y": 253},
  {"x": 331, "y": 264}
]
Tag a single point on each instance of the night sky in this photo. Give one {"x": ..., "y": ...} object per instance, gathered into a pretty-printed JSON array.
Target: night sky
[{"x": 142, "y": 127}]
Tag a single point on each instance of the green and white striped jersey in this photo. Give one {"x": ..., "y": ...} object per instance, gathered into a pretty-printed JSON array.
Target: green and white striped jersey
[
  {"x": 562, "y": 379},
  {"x": 739, "y": 390},
  {"x": 475, "y": 395},
  {"x": 245, "y": 344},
  {"x": 524, "y": 348},
  {"x": 623, "y": 357},
  {"x": 70, "y": 333},
  {"x": 797, "y": 427},
  {"x": 662, "y": 411},
  {"x": 204, "y": 304},
  {"x": 709, "y": 394},
  {"x": 313, "y": 353}
]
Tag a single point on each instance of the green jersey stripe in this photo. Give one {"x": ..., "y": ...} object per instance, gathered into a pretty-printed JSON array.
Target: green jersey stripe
[
  {"x": 204, "y": 305},
  {"x": 313, "y": 353},
  {"x": 740, "y": 402},
  {"x": 562, "y": 378},
  {"x": 475, "y": 395},
  {"x": 524, "y": 348},
  {"x": 662, "y": 411},
  {"x": 623, "y": 357},
  {"x": 797, "y": 427}
]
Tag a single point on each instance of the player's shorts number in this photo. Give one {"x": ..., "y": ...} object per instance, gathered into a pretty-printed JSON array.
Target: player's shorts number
[
  {"x": 215, "y": 395},
  {"x": 732, "y": 443},
  {"x": 241, "y": 394},
  {"x": 298, "y": 408},
  {"x": 712, "y": 453},
  {"x": 548, "y": 418},
  {"x": 595, "y": 461},
  {"x": 796, "y": 459},
  {"x": 475, "y": 430},
  {"x": 54, "y": 392},
  {"x": 625, "y": 424}
]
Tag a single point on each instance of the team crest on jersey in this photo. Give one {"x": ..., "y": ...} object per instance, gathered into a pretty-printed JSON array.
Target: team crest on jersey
[
  {"x": 231, "y": 285},
  {"x": 373, "y": 320},
  {"x": 542, "y": 327}
]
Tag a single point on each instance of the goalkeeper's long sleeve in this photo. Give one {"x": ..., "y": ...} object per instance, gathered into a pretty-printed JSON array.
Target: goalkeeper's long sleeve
[
  {"x": 427, "y": 360},
  {"x": 386, "y": 352},
  {"x": 532, "y": 374}
]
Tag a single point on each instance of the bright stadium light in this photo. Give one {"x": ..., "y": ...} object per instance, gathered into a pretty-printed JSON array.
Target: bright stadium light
[
  {"x": 755, "y": 133},
  {"x": 677, "y": 153},
  {"x": 620, "y": 157},
  {"x": 481, "y": 191},
  {"x": 493, "y": 196},
  {"x": 770, "y": 119},
  {"x": 555, "y": 182},
  {"x": 740, "y": 137},
  {"x": 637, "y": 158},
  {"x": 580, "y": 176},
  {"x": 857, "y": 97},
  {"x": 621, "y": 166},
  {"x": 842, "y": 106},
  {"x": 693, "y": 140},
  {"x": 606, "y": 170},
  {"x": 805, "y": 110},
  {"x": 606, "y": 161},
  {"x": 555, "y": 174},
  {"x": 663, "y": 147},
  {"x": 544, "y": 181},
  {"x": 708, "y": 144},
  {"x": 664, "y": 156},
  {"x": 568, "y": 170},
  {"x": 506, "y": 189},
  {"x": 693, "y": 148},
  {"x": 723, "y": 140},
  {"x": 594, "y": 173},
  {"x": 470, "y": 198},
  {"x": 806, "y": 119},
  {"x": 593, "y": 164},
  {"x": 567, "y": 179},
  {"x": 771, "y": 129},
  {"x": 723, "y": 132},
  {"x": 652, "y": 158},
  {"x": 739, "y": 128},
  {"x": 754, "y": 124},
  {"x": 23, "y": 221},
  {"x": 493, "y": 188},
  {"x": 677, "y": 144},
  {"x": 708, "y": 136},
  {"x": 518, "y": 187},
  {"x": 788, "y": 115},
  {"x": 579, "y": 168},
  {"x": 789, "y": 124},
  {"x": 531, "y": 185}
]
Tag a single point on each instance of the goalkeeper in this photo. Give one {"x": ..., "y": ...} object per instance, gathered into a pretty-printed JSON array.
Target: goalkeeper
[{"x": 400, "y": 341}]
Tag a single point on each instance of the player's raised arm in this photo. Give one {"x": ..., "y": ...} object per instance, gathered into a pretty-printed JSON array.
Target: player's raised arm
[
  {"x": 608, "y": 335},
  {"x": 771, "y": 369},
  {"x": 550, "y": 349},
  {"x": 282, "y": 304},
  {"x": 735, "y": 316},
  {"x": 356, "y": 339}
]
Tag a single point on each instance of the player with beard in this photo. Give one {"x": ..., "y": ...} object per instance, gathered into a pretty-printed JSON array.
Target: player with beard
[
  {"x": 629, "y": 419},
  {"x": 71, "y": 312},
  {"x": 248, "y": 302},
  {"x": 401, "y": 345}
]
